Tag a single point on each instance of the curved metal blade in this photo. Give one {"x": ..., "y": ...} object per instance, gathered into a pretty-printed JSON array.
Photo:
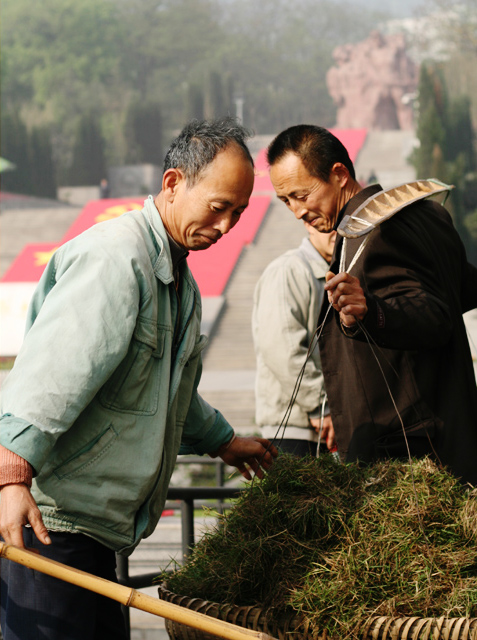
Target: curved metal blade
[{"x": 383, "y": 205}]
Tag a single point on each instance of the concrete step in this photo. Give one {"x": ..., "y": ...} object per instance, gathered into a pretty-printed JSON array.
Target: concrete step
[
  {"x": 386, "y": 154},
  {"x": 159, "y": 552}
]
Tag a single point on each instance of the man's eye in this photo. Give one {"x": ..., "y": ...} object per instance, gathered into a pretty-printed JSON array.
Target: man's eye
[{"x": 217, "y": 209}]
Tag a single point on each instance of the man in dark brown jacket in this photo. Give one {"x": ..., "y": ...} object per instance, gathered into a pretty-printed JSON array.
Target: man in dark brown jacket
[{"x": 394, "y": 348}]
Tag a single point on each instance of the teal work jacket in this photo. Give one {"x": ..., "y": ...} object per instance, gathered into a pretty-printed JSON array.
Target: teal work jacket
[{"x": 103, "y": 394}]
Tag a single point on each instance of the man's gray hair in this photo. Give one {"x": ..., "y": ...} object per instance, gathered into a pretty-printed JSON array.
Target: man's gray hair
[{"x": 200, "y": 141}]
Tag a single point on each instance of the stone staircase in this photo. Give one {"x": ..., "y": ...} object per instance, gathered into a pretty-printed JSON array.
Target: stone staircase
[{"x": 386, "y": 154}]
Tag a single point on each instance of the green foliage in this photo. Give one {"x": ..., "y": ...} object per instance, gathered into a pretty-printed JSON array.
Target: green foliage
[
  {"x": 460, "y": 139},
  {"x": 62, "y": 59},
  {"x": 194, "y": 103},
  {"x": 446, "y": 150},
  {"x": 338, "y": 544},
  {"x": 217, "y": 103},
  {"x": 42, "y": 167},
  {"x": 57, "y": 49},
  {"x": 15, "y": 147},
  {"x": 144, "y": 134},
  {"x": 88, "y": 166},
  {"x": 32, "y": 154},
  {"x": 431, "y": 126}
]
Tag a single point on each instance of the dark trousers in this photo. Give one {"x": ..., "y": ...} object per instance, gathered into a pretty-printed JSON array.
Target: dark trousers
[
  {"x": 35, "y": 606},
  {"x": 299, "y": 448}
]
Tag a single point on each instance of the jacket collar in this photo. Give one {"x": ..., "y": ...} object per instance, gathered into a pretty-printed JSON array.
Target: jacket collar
[
  {"x": 162, "y": 263},
  {"x": 318, "y": 264},
  {"x": 356, "y": 201},
  {"x": 351, "y": 206}
]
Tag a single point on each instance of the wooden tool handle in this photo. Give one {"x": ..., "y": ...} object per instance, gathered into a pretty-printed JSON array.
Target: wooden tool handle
[{"x": 128, "y": 596}]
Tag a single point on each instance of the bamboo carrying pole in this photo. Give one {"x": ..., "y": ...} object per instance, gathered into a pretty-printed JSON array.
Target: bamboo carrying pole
[{"x": 128, "y": 596}]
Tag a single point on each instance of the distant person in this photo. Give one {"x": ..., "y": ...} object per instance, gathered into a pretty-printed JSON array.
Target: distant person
[
  {"x": 286, "y": 306},
  {"x": 103, "y": 394},
  {"x": 372, "y": 178},
  {"x": 104, "y": 188},
  {"x": 394, "y": 350}
]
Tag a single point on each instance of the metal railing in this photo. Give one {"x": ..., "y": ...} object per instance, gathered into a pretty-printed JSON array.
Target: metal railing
[{"x": 188, "y": 497}]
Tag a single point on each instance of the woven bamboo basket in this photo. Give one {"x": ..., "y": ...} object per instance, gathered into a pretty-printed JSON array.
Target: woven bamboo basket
[{"x": 293, "y": 628}]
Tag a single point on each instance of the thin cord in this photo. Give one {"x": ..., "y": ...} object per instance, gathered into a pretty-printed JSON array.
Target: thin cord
[
  {"x": 283, "y": 424},
  {"x": 320, "y": 431},
  {"x": 367, "y": 336},
  {"x": 314, "y": 342},
  {"x": 421, "y": 524}
]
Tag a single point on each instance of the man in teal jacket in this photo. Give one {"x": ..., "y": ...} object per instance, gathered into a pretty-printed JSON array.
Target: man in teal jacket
[{"x": 103, "y": 395}]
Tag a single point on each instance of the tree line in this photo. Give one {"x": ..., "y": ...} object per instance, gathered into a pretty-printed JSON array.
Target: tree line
[
  {"x": 132, "y": 72},
  {"x": 88, "y": 84},
  {"x": 447, "y": 114}
]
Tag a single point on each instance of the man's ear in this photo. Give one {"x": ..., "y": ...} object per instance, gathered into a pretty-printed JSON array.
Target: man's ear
[
  {"x": 170, "y": 182},
  {"x": 340, "y": 174}
]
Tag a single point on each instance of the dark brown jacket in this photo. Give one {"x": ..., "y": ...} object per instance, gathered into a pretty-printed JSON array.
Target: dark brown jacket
[{"x": 418, "y": 283}]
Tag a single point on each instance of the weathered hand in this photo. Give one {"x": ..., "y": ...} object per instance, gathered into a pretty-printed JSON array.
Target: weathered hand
[
  {"x": 347, "y": 297},
  {"x": 249, "y": 453},
  {"x": 18, "y": 508},
  {"x": 327, "y": 430}
]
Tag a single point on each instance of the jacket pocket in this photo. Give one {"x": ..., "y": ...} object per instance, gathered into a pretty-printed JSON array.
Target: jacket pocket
[
  {"x": 134, "y": 386},
  {"x": 199, "y": 346},
  {"x": 88, "y": 455}
]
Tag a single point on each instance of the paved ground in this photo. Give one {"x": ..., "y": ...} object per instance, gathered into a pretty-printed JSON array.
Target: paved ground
[
  {"x": 31, "y": 220},
  {"x": 386, "y": 153},
  {"x": 158, "y": 553}
]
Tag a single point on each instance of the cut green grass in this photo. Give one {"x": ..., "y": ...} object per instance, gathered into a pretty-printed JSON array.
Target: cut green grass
[{"x": 340, "y": 543}]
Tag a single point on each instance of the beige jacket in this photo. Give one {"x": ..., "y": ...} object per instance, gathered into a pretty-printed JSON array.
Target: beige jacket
[{"x": 287, "y": 301}]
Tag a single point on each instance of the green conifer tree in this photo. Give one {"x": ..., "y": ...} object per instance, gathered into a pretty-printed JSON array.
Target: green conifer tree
[
  {"x": 194, "y": 108},
  {"x": 88, "y": 166},
  {"x": 431, "y": 126},
  {"x": 15, "y": 148},
  {"x": 144, "y": 133},
  {"x": 43, "y": 179},
  {"x": 215, "y": 105}
]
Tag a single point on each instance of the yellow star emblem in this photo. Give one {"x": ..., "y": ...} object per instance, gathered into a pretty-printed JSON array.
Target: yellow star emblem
[
  {"x": 117, "y": 210},
  {"x": 42, "y": 257}
]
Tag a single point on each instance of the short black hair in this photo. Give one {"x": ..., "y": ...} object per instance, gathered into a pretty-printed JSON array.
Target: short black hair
[
  {"x": 200, "y": 141},
  {"x": 317, "y": 148}
]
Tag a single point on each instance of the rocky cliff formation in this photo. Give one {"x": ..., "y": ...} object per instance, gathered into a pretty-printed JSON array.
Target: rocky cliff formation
[{"x": 373, "y": 82}]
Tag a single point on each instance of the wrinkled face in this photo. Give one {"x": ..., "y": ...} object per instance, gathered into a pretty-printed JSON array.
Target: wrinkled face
[
  {"x": 203, "y": 213},
  {"x": 311, "y": 199},
  {"x": 324, "y": 243}
]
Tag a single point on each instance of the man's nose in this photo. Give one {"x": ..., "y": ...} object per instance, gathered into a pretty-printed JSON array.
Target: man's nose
[
  {"x": 299, "y": 209},
  {"x": 225, "y": 223}
]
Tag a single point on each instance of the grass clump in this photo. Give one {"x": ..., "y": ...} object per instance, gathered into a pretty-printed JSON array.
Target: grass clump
[{"x": 339, "y": 543}]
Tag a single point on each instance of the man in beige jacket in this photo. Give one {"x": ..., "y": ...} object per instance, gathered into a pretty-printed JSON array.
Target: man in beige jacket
[{"x": 287, "y": 302}]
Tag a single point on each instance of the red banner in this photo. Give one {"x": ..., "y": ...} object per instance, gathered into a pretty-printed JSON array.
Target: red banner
[
  {"x": 100, "y": 211},
  {"x": 211, "y": 268},
  {"x": 30, "y": 263}
]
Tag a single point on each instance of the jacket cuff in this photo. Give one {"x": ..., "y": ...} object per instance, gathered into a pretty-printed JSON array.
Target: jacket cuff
[
  {"x": 14, "y": 469},
  {"x": 220, "y": 433},
  {"x": 375, "y": 320},
  {"x": 26, "y": 440}
]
